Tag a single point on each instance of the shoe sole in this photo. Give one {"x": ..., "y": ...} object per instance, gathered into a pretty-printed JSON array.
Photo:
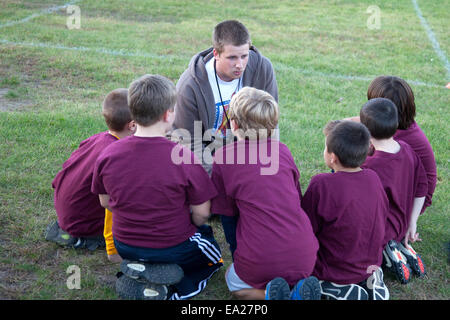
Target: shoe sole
[
  {"x": 414, "y": 260},
  {"x": 277, "y": 289},
  {"x": 379, "y": 289},
  {"x": 307, "y": 289},
  {"x": 335, "y": 291},
  {"x": 396, "y": 262},
  {"x": 157, "y": 273},
  {"x": 132, "y": 289}
]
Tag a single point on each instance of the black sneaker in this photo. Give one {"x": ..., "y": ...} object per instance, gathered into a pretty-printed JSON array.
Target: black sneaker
[
  {"x": 306, "y": 289},
  {"x": 414, "y": 260},
  {"x": 136, "y": 289},
  {"x": 333, "y": 291},
  {"x": 156, "y": 273},
  {"x": 55, "y": 234},
  {"x": 277, "y": 289},
  {"x": 90, "y": 243},
  {"x": 375, "y": 286},
  {"x": 396, "y": 262}
]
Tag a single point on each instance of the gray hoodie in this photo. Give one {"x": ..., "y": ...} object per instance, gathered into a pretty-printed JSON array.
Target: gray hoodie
[{"x": 195, "y": 98}]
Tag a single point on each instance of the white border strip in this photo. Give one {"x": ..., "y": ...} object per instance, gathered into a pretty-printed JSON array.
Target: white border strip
[
  {"x": 433, "y": 40},
  {"x": 35, "y": 15},
  {"x": 278, "y": 66}
]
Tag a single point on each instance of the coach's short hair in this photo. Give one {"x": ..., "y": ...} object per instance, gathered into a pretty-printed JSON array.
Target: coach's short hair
[
  {"x": 399, "y": 92},
  {"x": 230, "y": 32},
  {"x": 350, "y": 142},
  {"x": 149, "y": 97},
  {"x": 380, "y": 116},
  {"x": 115, "y": 109}
]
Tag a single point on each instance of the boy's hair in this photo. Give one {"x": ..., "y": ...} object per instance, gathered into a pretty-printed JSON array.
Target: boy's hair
[
  {"x": 330, "y": 126},
  {"x": 350, "y": 142},
  {"x": 254, "y": 111},
  {"x": 230, "y": 32},
  {"x": 149, "y": 97},
  {"x": 399, "y": 92},
  {"x": 379, "y": 115},
  {"x": 115, "y": 109}
]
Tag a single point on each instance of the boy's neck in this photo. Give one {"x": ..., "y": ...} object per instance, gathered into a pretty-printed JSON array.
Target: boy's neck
[
  {"x": 156, "y": 130},
  {"x": 387, "y": 145},
  {"x": 118, "y": 134},
  {"x": 340, "y": 168}
]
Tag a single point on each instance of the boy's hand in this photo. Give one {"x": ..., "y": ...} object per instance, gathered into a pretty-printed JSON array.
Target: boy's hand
[{"x": 411, "y": 234}]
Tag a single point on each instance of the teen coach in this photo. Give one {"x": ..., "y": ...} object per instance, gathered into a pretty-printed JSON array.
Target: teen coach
[{"x": 205, "y": 88}]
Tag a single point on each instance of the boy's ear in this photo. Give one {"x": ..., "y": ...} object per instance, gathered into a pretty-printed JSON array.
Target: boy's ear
[
  {"x": 334, "y": 158},
  {"x": 233, "y": 125}
]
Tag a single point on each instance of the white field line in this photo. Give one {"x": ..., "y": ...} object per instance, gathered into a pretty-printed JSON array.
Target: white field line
[
  {"x": 437, "y": 48},
  {"x": 38, "y": 14},
  {"x": 278, "y": 66}
]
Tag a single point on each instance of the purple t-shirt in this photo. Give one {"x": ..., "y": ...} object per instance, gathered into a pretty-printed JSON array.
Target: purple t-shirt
[
  {"x": 415, "y": 137},
  {"x": 150, "y": 192},
  {"x": 347, "y": 212},
  {"x": 274, "y": 236},
  {"x": 78, "y": 209},
  {"x": 403, "y": 178}
]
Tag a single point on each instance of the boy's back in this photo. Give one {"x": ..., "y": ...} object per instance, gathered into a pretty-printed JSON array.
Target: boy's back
[
  {"x": 274, "y": 235},
  {"x": 403, "y": 179},
  {"x": 79, "y": 211},
  {"x": 347, "y": 212},
  {"x": 149, "y": 193}
]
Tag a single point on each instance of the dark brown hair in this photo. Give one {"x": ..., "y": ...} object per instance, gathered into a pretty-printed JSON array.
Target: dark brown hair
[
  {"x": 149, "y": 97},
  {"x": 379, "y": 115},
  {"x": 230, "y": 32},
  {"x": 115, "y": 109},
  {"x": 350, "y": 142},
  {"x": 399, "y": 92}
]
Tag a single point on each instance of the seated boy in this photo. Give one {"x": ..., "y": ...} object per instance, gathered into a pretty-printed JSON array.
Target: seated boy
[
  {"x": 151, "y": 196},
  {"x": 257, "y": 179},
  {"x": 80, "y": 215},
  {"x": 347, "y": 210},
  {"x": 405, "y": 182}
]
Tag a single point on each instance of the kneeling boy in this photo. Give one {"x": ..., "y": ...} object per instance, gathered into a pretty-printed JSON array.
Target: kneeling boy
[
  {"x": 257, "y": 180},
  {"x": 81, "y": 217},
  {"x": 151, "y": 196},
  {"x": 405, "y": 182},
  {"x": 347, "y": 210}
]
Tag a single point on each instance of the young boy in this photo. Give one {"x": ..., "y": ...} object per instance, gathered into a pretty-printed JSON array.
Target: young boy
[
  {"x": 80, "y": 216},
  {"x": 257, "y": 180},
  {"x": 151, "y": 197},
  {"x": 347, "y": 210},
  {"x": 405, "y": 182}
]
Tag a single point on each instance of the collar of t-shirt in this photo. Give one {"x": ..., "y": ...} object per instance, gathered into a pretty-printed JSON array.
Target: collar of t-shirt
[{"x": 227, "y": 89}]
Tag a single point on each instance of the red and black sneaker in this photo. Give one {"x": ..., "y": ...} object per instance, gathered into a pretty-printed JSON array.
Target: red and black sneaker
[
  {"x": 414, "y": 260},
  {"x": 396, "y": 262}
]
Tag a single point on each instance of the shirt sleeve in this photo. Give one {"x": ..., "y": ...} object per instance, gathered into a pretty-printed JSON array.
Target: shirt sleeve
[
  {"x": 200, "y": 187},
  {"x": 310, "y": 203},
  {"x": 97, "y": 186},
  {"x": 421, "y": 179},
  {"x": 107, "y": 233},
  {"x": 222, "y": 204}
]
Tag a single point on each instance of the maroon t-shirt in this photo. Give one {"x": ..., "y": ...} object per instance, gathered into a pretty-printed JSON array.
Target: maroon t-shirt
[
  {"x": 403, "y": 178},
  {"x": 150, "y": 192},
  {"x": 78, "y": 209},
  {"x": 347, "y": 212},
  {"x": 415, "y": 137},
  {"x": 274, "y": 236}
]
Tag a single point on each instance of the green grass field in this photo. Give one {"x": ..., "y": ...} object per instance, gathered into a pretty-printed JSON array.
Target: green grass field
[{"x": 53, "y": 80}]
